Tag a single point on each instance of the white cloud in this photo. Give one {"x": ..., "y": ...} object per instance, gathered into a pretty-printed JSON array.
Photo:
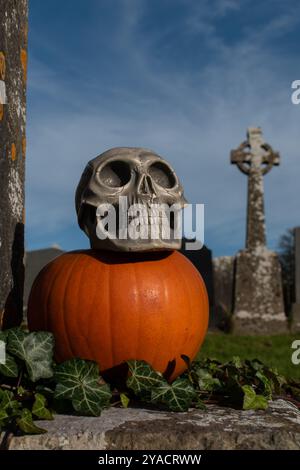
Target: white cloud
[{"x": 193, "y": 117}]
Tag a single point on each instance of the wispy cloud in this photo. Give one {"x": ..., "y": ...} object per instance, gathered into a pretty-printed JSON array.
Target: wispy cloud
[{"x": 192, "y": 110}]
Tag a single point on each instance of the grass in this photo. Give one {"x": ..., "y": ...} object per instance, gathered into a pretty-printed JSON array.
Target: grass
[{"x": 274, "y": 351}]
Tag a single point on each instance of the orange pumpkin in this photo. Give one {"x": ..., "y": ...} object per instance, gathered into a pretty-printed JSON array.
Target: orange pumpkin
[{"x": 111, "y": 307}]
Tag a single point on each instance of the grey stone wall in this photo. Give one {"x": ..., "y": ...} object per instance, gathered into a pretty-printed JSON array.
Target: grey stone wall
[{"x": 278, "y": 427}]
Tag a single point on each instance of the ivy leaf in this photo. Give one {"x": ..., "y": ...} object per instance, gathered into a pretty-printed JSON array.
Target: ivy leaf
[
  {"x": 177, "y": 397},
  {"x": 3, "y": 335},
  {"x": 78, "y": 380},
  {"x": 255, "y": 364},
  {"x": 8, "y": 402},
  {"x": 142, "y": 377},
  {"x": 124, "y": 400},
  {"x": 10, "y": 368},
  {"x": 39, "y": 407},
  {"x": 206, "y": 381},
  {"x": 199, "y": 404},
  {"x": 45, "y": 390},
  {"x": 253, "y": 401},
  {"x": 267, "y": 385},
  {"x": 21, "y": 391},
  {"x": 35, "y": 349},
  {"x": 237, "y": 362},
  {"x": 26, "y": 424},
  {"x": 3, "y": 417}
]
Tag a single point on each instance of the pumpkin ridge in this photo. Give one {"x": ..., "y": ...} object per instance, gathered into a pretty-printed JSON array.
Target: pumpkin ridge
[
  {"x": 82, "y": 276},
  {"x": 92, "y": 309},
  {"x": 178, "y": 334},
  {"x": 64, "y": 310},
  {"x": 110, "y": 319},
  {"x": 162, "y": 319},
  {"x": 188, "y": 288},
  {"x": 139, "y": 315},
  {"x": 50, "y": 285},
  {"x": 204, "y": 305}
]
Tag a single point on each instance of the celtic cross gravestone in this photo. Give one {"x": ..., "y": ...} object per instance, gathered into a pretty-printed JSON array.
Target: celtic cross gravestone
[{"x": 258, "y": 298}]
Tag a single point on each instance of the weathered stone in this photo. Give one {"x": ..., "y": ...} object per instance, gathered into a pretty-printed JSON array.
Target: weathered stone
[
  {"x": 215, "y": 428},
  {"x": 258, "y": 295},
  {"x": 296, "y": 306},
  {"x": 13, "y": 64},
  {"x": 223, "y": 275},
  {"x": 258, "y": 307}
]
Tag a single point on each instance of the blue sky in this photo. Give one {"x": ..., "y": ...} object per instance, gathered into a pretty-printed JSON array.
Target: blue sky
[{"x": 182, "y": 77}]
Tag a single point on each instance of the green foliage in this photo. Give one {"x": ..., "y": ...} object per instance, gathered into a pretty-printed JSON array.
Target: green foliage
[
  {"x": 78, "y": 381},
  {"x": 33, "y": 387},
  {"x": 35, "y": 349},
  {"x": 142, "y": 378},
  {"x": 10, "y": 368},
  {"x": 274, "y": 351},
  {"x": 252, "y": 401},
  {"x": 39, "y": 408},
  {"x": 125, "y": 400},
  {"x": 177, "y": 396},
  {"x": 26, "y": 424},
  {"x": 246, "y": 384}
]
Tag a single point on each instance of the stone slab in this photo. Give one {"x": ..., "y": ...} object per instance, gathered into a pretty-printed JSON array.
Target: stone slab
[{"x": 278, "y": 427}]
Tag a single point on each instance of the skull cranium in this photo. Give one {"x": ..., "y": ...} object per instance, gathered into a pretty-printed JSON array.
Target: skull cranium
[{"x": 142, "y": 177}]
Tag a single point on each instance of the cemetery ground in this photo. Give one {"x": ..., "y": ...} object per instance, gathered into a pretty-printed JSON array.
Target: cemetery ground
[{"x": 274, "y": 351}]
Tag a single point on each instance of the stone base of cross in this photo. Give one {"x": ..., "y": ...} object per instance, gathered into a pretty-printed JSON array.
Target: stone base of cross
[
  {"x": 295, "y": 314},
  {"x": 258, "y": 296}
]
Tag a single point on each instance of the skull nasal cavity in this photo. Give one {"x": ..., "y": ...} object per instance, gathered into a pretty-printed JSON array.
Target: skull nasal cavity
[
  {"x": 146, "y": 186},
  {"x": 115, "y": 174}
]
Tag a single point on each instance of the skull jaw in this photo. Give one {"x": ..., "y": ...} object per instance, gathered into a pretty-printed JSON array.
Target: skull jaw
[{"x": 130, "y": 245}]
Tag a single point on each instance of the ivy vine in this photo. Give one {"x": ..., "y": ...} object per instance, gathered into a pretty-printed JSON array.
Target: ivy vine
[{"x": 33, "y": 387}]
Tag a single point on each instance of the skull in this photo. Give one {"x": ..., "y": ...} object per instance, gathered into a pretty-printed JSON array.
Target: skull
[{"x": 139, "y": 177}]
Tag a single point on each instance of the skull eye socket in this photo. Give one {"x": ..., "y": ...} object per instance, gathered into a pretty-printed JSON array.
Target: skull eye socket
[
  {"x": 115, "y": 174},
  {"x": 162, "y": 175}
]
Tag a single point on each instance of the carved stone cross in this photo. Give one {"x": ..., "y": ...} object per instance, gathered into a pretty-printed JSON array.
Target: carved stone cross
[
  {"x": 255, "y": 158},
  {"x": 258, "y": 298}
]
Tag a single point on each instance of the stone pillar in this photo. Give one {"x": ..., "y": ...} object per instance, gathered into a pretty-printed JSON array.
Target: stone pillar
[
  {"x": 296, "y": 306},
  {"x": 256, "y": 227},
  {"x": 258, "y": 297},
  {"x": 13, "y": 64}
]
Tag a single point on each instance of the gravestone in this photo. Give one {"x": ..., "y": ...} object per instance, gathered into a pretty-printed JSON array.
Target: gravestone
[
  {"x": 296, "y": 305},
  {"x": 13, "y": 66},
  {"x": 202, "y": 260},
  {"x": 223, "y": 275},
  {"x": 258, "y": 297}
]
